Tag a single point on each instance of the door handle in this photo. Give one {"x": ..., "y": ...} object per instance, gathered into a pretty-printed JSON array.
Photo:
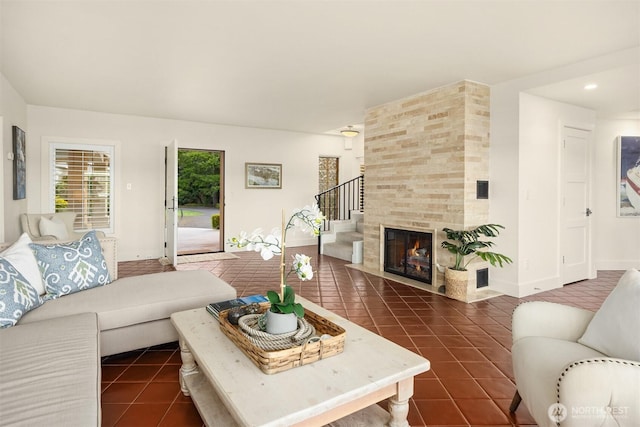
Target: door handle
[
  {"x": 589, "y": 212},
  {"x": 173, "y": 204}
]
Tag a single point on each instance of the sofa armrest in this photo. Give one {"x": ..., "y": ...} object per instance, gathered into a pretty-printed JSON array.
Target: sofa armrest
[
  {"x": 28, "y": 225},
  {"x": 109, "y": 251},
  {"x": 77, "y": 235},
  {"x": 547, "y": 319},
  {"x": 603, "y": 391},
  {"x": 45, "y": 238}
]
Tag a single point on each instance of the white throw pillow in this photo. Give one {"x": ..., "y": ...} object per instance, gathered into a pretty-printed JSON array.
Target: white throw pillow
[
  {"x": 23, "y": 259},
  {"x": 614, "y": 328},
  {"x": 53, "y": 227}
]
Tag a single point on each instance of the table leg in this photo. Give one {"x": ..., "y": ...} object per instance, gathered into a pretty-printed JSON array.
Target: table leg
[
  {"x": 399, "y": 404},
  {"x": 188, "y": 367}
]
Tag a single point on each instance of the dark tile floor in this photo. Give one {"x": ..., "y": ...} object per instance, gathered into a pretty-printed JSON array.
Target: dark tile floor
[{"x": 470, "y": 382}]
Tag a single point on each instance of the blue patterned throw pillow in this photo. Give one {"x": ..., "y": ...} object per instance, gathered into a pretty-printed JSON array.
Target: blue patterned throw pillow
[
  {"x": 71, "y": 267},
  {"x": 17, "y": 296}
]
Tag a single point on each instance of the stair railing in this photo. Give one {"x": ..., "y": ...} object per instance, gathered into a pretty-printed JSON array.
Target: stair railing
[{"x": 338, "y": 202}]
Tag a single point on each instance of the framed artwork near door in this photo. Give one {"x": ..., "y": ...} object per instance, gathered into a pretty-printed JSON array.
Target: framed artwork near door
[
  {"x": 19, "y": 164},
  {"x": 263, "y": 175},
  {"x": 628, "y": 181}
]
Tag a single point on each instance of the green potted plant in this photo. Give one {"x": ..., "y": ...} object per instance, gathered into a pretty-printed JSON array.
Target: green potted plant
[
  {"x": 309, "y": 219},
  {"x": 462, "y": 244}
]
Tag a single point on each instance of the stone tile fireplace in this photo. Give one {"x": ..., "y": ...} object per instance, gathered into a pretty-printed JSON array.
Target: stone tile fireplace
[{"x": 423, "y": 157}]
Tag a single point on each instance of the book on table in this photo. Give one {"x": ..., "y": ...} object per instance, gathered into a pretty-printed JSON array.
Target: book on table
[{"x": 216, "y": 307}]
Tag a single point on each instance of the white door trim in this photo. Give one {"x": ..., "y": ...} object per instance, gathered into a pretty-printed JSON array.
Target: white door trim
[{"x": 171, "y": 203}]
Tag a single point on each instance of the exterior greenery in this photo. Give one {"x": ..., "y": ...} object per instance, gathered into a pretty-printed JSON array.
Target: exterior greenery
[
  {"x": 198, "y": 177},
  {"x": 61, "y": 204},
  {"x": 215, "y": 221},
  {"x": 467, "y": 243}
]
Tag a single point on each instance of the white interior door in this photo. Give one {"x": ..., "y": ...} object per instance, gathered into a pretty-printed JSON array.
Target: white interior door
[
  {"x": 171, "y": 202},
  {"x": 575, "y": 234}
]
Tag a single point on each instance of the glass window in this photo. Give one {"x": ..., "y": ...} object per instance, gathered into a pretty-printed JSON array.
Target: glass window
[{"x": 82, "y": 182}]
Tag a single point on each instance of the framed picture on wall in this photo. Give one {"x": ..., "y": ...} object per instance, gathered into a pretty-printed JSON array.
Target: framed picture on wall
[
  {"x": 19, "y": 164},
  {"x": 628, "y": 176},
  {"x": 263, "y": 175}
]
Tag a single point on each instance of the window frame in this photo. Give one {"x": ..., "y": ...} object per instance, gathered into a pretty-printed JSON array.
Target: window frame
[{"x": 87, "y": 145}]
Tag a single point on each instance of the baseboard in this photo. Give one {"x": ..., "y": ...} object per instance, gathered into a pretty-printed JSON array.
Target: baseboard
[{"x": 520, "y": 290}]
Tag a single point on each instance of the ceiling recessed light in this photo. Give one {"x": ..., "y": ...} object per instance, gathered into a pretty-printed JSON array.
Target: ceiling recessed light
[{"x": 590, "y": 86}]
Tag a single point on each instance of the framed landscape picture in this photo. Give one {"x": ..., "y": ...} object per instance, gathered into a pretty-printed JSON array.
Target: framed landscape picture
[
  {"x": 19, "y": 164},
  {"x": 628, "y": 176},
  {"x": 263, "y": 175}
]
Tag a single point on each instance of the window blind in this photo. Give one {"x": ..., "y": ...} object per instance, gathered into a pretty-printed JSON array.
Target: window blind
[{"x": 83, "y": 184}]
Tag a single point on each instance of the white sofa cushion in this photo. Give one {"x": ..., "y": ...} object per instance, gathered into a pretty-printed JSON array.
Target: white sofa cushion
[
  {"x": 53, "y": 227},
  {"x": 617, "y": 320},
  {"x": 140, "y": 299},
  {"x": 21, "y": 256},
  {"x": 51, "y": 373}
]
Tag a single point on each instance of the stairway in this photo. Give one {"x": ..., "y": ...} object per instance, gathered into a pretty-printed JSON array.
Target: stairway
[{"x": 344, "y": 240}]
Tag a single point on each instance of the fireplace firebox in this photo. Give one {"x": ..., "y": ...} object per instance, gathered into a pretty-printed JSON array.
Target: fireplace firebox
[{"x": 409, "y": 254}]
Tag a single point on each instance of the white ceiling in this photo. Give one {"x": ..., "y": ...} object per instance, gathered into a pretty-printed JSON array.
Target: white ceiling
[
  {"x": 309, "y": 66},
  {"x": 617, "y": 94}
]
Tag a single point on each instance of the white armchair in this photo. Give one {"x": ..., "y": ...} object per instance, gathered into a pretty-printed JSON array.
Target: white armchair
[
  {"x": 574, "y": 367},
  {"x": 59, "y": 226}
]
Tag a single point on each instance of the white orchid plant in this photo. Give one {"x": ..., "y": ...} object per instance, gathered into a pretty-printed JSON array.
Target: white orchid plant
[{"x": 309, "y": 219}]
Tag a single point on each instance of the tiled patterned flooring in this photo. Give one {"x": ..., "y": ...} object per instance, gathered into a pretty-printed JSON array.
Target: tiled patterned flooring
[{"x": 470, "y": 382}]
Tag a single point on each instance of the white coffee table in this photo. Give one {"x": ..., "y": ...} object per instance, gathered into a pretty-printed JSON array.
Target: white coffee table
[{"x": 228, "y": 389}]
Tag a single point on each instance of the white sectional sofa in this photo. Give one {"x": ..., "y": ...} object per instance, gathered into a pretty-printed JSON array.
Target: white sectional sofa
[{"x": 50, "y": 360}]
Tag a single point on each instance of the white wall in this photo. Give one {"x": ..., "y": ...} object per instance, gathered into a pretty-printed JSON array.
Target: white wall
[
  {"x": 513, "y": 175},
  {"x": 139, "y": 221},
  {"x": 504, "y": 182},
  {"x": 13, "y": 111},
  {"x": 616, "y": 240},
  {"x": 541, "y": 122},
  {"x": 525, "y": 185},
  {"x": 354, "y": 157}
]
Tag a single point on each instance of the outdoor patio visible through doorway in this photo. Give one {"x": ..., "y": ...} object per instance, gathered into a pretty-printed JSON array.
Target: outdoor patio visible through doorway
[
  {"x": 195, "y": 233},
  {"x": 200, "y": 191}
]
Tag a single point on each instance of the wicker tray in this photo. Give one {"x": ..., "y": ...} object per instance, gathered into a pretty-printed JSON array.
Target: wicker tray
[{"x": 271, "y": 362}]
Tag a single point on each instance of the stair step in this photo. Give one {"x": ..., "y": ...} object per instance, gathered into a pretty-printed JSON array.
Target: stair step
[
  {"x": 341, "y": 226},
  {"x": 349, "y": 236},
  {"x": 357, "y": 216},
  {"x": 340, "y": 240},
  {"x": 338, "y": 250}
]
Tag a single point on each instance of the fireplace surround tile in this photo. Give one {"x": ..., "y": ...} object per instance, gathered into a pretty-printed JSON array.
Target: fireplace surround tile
[{"x": 424, "y": 155}]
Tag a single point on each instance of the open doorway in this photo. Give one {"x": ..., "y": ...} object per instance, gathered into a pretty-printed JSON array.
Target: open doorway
[
  {"x": 328, "y": 172},
  {"x": 200, "y": 209}
]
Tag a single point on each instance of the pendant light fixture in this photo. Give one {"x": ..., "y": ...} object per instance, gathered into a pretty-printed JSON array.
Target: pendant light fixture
[{"x": 349, "y": 132}]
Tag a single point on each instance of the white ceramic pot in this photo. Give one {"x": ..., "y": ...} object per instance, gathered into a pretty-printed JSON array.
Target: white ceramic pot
[{"x": 279, "y": 323}]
